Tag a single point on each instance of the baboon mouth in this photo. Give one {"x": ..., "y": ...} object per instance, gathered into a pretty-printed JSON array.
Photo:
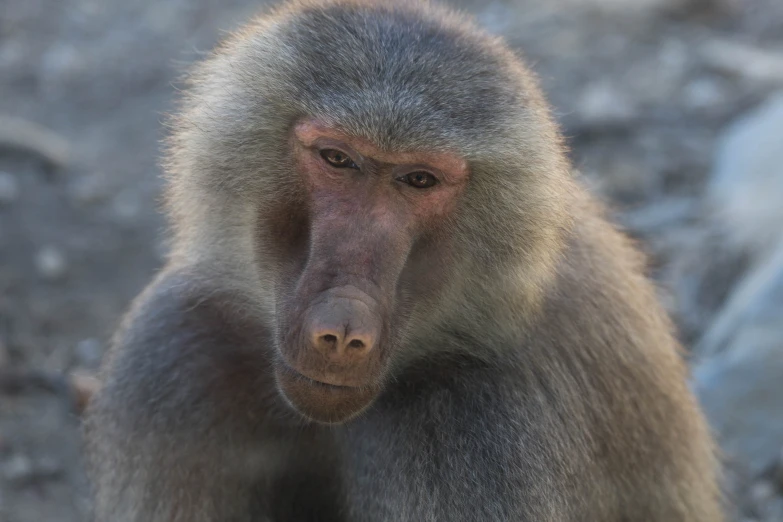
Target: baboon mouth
[
  {"x": 315, "y": 382},
  {"x": 321, "y": 401}
]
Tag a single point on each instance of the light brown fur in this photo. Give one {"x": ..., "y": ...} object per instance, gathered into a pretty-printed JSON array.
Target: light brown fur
[{"x": 530, "y": 374}]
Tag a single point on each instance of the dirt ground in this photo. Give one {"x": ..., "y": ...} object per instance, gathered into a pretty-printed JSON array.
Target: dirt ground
[{"x": 638, "y": 86}]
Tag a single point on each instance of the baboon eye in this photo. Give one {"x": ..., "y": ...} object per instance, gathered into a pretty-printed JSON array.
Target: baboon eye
[
  {"x": 338, "y": 159},
  {"x": 420, "y": 179}
]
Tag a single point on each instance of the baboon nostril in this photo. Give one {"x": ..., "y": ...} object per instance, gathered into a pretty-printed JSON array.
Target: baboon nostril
[
  {"x": 343, "y": 330},
  {"x": 356, "y": 343}
]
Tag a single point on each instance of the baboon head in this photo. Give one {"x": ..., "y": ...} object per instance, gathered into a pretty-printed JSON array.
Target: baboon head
[{"x": 378, "y": 176}]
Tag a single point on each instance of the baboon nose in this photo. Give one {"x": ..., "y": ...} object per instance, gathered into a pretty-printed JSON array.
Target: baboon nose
[
  {"x": 332, "y": 342},
  {"x": 343, "y": 329}
]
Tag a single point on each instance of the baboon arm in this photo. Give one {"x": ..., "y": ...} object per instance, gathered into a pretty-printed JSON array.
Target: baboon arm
[{"x": 177, "y": 431}]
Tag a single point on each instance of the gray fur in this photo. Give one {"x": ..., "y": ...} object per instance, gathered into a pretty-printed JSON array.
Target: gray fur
[{"x": 541, "y": 383}]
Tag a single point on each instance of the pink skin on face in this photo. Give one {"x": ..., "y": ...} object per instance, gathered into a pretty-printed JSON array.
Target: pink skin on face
[
  {"x": 363, "y": 223},
  {"x": 376, "y": 179}
]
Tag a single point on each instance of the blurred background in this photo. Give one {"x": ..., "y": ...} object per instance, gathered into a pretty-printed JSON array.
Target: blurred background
[{"x": 673, "y": 111}]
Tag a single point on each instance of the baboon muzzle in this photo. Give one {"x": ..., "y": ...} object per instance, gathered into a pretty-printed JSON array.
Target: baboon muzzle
[{"x": 335, "y": 344}]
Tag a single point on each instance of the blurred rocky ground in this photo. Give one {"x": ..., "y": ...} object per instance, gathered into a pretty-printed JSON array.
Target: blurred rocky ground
[{"x": 674, "y": 114}]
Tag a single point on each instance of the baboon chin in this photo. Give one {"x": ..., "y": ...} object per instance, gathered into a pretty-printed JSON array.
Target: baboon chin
[{"x": 389, "y": 300}]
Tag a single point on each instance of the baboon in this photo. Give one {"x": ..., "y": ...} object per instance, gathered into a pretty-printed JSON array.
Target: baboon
[{"x": 389, "y": 299}]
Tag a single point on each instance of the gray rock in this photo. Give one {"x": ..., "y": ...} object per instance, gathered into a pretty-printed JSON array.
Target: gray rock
[
  {"x": 12, "y": 53},
  {"x": 751, "y": 63},
  {"x": 777, "y": 472},
  {"x": 745, "y": 191},
  {"x": 126, "y": 208},
  {"x": 18, "y": 468},
  {"x": 742, "y": 400},
  {"x": 740, "y": 382},
  {"x": 604, "y": 102},
  {"x": 88, "y": 353},
  {"x": 5, "y": 358},
  {"x": 704, "y": 92},
  {"x": 772, "y": 511},
  {"x": 48, "y": 467},
  {"x": 51, "y": 263},
  {"x": 756, "y": 302},
  {"x": 641, "y": 7},
  {"x": 88, "y": 190},
  {"x": 666, "y": 214},
  {"x": 59, "y": 65},
  {"x": 700, "y": 288},
  {"x": 9, "y": 188}
]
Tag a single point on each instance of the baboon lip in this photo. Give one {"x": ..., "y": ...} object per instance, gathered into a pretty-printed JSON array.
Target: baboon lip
[
  {"x": 320, "y": 401},
  {"x": 314, "y": 382}
]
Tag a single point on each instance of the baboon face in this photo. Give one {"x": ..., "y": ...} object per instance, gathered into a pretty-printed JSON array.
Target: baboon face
[
  {"x": 389, "y": 165},
  {"x": 368, "y": 210}
]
